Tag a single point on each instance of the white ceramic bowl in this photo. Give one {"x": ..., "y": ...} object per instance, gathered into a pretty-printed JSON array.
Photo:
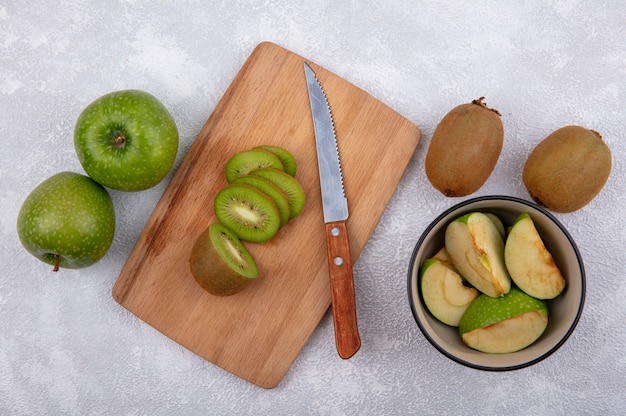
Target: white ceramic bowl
[{"x": 564, "y": 311}]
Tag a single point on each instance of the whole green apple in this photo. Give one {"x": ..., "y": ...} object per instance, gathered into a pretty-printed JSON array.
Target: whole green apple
[
  {"x": 126, "y": 140},
  {"x": 67, "y": 221}
]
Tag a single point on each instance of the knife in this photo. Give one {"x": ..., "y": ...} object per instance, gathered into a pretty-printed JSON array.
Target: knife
[{"x": 335, "y": 207}]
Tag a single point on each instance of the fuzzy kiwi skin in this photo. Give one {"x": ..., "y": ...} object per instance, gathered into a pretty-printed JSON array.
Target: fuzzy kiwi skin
[
  {"x": 567, "y": 169},
  {"x": 464, "y": 149},
  {"x": 212, "y": 273}
]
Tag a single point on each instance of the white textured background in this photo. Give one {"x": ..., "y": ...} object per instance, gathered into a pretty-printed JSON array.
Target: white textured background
[{"x": 67, "y": 348}]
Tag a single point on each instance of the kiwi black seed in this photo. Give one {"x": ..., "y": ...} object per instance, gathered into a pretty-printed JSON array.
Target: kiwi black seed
[
  {"x": 220, "y": 263},
  {"x": 242, "y": 163},
  {"x": 272, "y": 191},
  {"x": 288, "y": 184},
  {"x": 286, "y": 158},
  {"x": 248, "y": 212}
]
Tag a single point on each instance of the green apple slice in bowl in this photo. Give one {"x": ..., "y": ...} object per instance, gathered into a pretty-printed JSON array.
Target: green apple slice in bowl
[
  {"x": 477, "y": 251},
  {"x": 505, "y": 324},
  {"x": 564, "y": 310},
  {"x": 530, "y": 264},
  {"x": 444, "y": 293}
]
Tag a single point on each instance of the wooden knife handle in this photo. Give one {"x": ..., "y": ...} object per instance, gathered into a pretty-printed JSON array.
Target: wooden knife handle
[{"x": 342, "y": 290}]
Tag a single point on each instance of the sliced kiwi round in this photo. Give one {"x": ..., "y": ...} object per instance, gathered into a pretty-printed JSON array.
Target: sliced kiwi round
[
  {"x": 288, "y": 184},
  {"x": 286, "y": 158},
  {"x": 248, "y": 212},
  {"x": 220, "y": 263},
  {"x": 271, "y": 190},
  {"x": 242, "y": 163}
]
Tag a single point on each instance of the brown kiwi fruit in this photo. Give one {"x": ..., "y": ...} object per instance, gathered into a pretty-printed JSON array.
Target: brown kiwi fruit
[
  {"x": 220, "y": 263},
  {"x": 286, "y": 158},
  {"x": 567, "y": 169},
  {"x": 247, "y": 212},
  {"x": 242, "y": 163},
  {"x": 288, "y": 184},
  {"x": 464, "y": 149},
  {"x": 272, "y": 191}
]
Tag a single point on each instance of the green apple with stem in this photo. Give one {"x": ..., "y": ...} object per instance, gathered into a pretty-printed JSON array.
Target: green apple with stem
[
  {"x": 529, "y": 263},
  {"x": 67, "y": 221},
  {"x": 477, "y": 251},
  {"x": 505, "y": 324},
  {"x": 126, "y": 140},
  {"x": 444, "y": 293}
]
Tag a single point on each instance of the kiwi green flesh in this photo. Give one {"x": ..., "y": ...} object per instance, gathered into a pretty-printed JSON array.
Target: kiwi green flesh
[
  {"x": 242, "y": 163},
  {"x": 288, "y": 184},
  {"x": 220, "y": 263},
  {"x": 286, "y": 158},
  {"x": 272, "y": 191},
  {"x": 247, "y": 212}
]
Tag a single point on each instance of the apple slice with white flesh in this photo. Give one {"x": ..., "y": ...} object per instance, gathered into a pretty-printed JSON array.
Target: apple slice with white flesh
[
  {"x": 530, "y": 264},
  {"x": 443, "y": 256},
  {"x": 498, "y": 223},
  {"x": 505, "y": 324},
  {"x": 444, "y": 293},
  {"x": 477, "y": 251}
]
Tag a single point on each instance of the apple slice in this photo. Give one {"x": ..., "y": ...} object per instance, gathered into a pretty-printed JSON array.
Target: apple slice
[
  {"x": 444, "y": 293},
  {"x": 443, "y": 256},
  {"x": 505, "y": 324},
  {"x": 530, "y": 264},
  {"x": 498, "y": 223},
  {"x": 477, "y": 251}
]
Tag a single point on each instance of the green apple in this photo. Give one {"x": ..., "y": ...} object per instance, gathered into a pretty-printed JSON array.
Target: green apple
[
  {"x": 530, "y": 264},
  {"x": 67, "y": 221},
  {"x": 498, "y": 223},
  {"x": 444, "y": 293},
  {"x": 477, "y": 251},
  {"x": 126, "y": 140},
  {"x": 505, "y": 324},
  {"x": 443, "y": 256}
]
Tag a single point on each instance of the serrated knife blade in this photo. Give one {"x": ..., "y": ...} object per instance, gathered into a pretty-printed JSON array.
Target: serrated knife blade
[{"x": 335, "y": 208}]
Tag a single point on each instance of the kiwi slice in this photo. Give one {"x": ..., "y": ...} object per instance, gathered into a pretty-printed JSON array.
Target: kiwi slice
[
  {"x": 288, "y": 184},
  {"x": 220, "y": 263},
  {"x": 271, "y": 190},
  {"x": 247, "y": 212},
  {"x": 286, "y": 158},
  {"x": 242, "y": 163}
]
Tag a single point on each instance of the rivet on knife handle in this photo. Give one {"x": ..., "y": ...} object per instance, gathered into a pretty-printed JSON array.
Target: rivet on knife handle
[{"x": 347, "y": 337}]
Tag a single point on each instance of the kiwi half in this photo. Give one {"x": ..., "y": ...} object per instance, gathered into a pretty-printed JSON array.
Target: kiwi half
[
  {"x": 288, "y": 184},
  {"x": 220, "y": 263},
  {"x": 272, "y": 191},
  {"x": 286, "y": 158},
  {"x": 248, "y": 212},
  {"x": 242, "y": 163}
]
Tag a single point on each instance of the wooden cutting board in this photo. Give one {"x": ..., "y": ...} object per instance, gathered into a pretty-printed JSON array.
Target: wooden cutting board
[{"x": 258, "y": 333}]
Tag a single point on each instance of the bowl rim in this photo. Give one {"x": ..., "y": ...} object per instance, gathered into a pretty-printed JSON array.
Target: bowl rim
[{"x": 412, "y": 301}]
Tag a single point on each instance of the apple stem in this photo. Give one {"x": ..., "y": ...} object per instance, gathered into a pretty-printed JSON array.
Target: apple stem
[
  {"x": 56, "y": 263},
  {"x": 119, "y": 140}
]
